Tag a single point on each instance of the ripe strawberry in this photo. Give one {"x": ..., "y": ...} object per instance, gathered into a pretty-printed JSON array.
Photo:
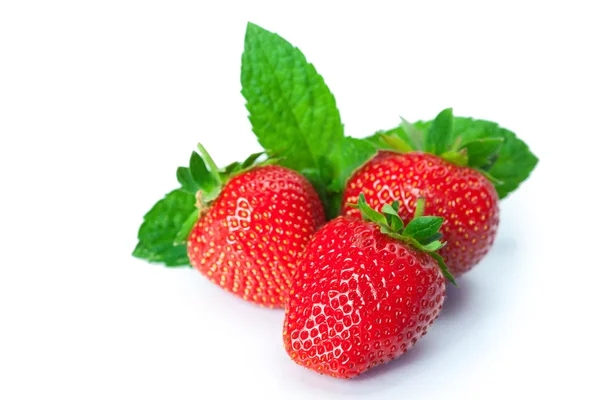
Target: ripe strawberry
[
  {"x": 364, "y": 292},
  {"x": 247, "y": 241},
  {"x": 464, "y": 197}
]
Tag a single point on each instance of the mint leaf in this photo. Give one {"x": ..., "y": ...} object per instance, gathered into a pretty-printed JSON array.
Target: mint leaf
[
  {"x": 482, "y": 152},
  {"x": 514, "y": 164},
  {"x": 160, "y": 227},
  {"x": 423, "y": 227},
  {"x": 292, "y": 111},
  {"x": 188, "y": 184},
  {"x": 183, "y": 233},
  {"x": 469, "y": 129},
  {"x": 347, "y": 156},
  {"x": 439, "y": 135}
]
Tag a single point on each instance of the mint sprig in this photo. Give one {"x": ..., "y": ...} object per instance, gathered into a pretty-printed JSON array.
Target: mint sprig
[
  {"x": 292, "y": 111},
  {"x": 483, "y": 145},
  {"x": 294, "y": 115},
  {"x": 160, "y": 227},
  {"x": 422, "y": 232}
]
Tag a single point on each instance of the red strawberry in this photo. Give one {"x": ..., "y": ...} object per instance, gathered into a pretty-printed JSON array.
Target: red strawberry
[
  {"x": 461, "y": 166},
  {"x": 464, "y": 197},
  {"x": 250, "y": 237},
  {"x": 362, "y": 297},
  {"x": 253, "y": 223}
]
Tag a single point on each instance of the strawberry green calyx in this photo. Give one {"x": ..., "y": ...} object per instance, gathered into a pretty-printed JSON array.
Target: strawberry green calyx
[
  {"x": 422, "y": 232},
  {"x": 496, "y": 152},
  {"x": 201, "y": 178},
  {"x": 205, "y": 181}
]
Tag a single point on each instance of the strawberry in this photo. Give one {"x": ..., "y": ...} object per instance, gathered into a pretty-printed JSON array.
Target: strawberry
[
  {"x": 461, "y": 166},
  {"x": 365, "y": 291},
  {"x": 254, "y": 221},
  {"x": 463, "y": 196},
  {"x": 248, "y": 240}
]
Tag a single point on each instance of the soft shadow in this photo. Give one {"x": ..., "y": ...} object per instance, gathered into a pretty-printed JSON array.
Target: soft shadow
[
  {"x": 398, "y": 372},
  {"x": 457, "y": 298}
]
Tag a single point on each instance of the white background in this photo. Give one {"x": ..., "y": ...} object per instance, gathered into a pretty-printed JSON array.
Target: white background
[{"x": 101, "y": 101}]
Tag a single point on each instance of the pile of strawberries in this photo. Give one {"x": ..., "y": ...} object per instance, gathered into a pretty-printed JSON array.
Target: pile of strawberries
[{"x": 359, "y": 287}]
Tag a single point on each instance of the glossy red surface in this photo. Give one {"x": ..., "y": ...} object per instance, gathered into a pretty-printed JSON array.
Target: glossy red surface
[{"x": 359, "y": 299}]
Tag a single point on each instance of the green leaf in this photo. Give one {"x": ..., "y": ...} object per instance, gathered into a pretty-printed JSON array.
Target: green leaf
[
  {"x": 205, "y": 179},
  {"x": 397, "y": 144},
  {"x": 368, "y": 213},
  {"x": 160, "y": 227},
  {"x": 481, "y": 153},
  {"x": 292, "y": 111},
  {"x": 248, "y": 162},
  {"x": 417, "y": 137},
  {"x": 315, "y": 177},
  {"x": 456, "y": 157},
  {"x": 388, "y": 209},
  {"x": 392, "y": 217},
  {"x": 497, "y": 182},
  {"x": 514, "y": 164},
  {"x": 433, "y": 246},
  {"x": 230, "y": 170},
  {"x": 212, "y": 167},
  {"x": 432, "y": 238},
  {"x": 443, "y": 267},
  {"x": 347, "y": 156},
  {"x": 469, "y": 129},
  {"x": 388, "y": 231},
  {"x": 380, "y": 142},
  {"x": 237, "y": 167},
  {"x": 188, "y": 184},
  {"x": 183, "y": 233},
  {"x": 423, "y": 227},
  {"x": 439, "y": 135}
]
